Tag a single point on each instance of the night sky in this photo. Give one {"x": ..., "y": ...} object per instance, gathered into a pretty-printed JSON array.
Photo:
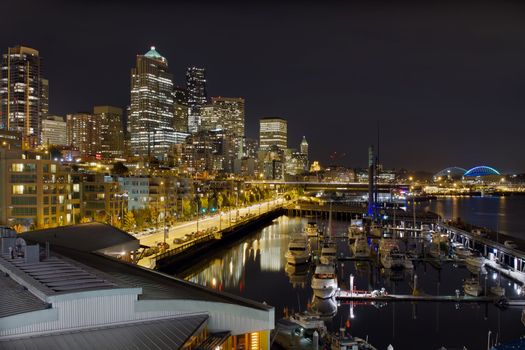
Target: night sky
[{"x": 445, "y": 82}]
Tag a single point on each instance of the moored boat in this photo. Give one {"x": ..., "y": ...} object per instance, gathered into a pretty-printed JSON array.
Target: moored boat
[
  {"x": 312, "y": 229},
  {"x": 328, "y": 254},
  {"x": 298, "y": 250},
  {"x": 360, "y": 248},
  {"x": 324, "y": 281}
]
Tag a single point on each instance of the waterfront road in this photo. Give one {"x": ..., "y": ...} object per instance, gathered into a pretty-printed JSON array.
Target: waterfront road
[{"x": 220, "y": 221}]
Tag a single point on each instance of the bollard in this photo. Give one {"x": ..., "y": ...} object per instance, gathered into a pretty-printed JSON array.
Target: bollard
[{"x": 315, "y": 340}]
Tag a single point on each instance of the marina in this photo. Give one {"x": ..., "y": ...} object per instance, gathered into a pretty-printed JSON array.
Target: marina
[{"x": 428, "y": 303}]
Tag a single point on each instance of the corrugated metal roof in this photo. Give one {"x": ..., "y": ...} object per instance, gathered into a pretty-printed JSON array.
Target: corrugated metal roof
[
  {"x": 155, "y": 285},
  {"x": 160, "y": 334},
  {"x": 14, "y": 299},
  {"x": 89, "y": 237}
]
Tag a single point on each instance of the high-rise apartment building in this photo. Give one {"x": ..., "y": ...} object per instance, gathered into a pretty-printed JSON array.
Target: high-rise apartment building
[
  {"x": 83, "y": 133},
  {"x": 180, "y": 109},
  {"x": 23, "y": 94},
  {"x": 197, "y": 96},
  {"x": 151, "y": 110},
  {"x": 54, "y": 131},
  {"x": 273, "y": 131},
  {"x": 111, "y": 131}
]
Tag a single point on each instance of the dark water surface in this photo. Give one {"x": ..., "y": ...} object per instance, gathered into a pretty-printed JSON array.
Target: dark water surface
[
  {"x": 506, "y": 214},
  {"x": 255, "y": 268}
]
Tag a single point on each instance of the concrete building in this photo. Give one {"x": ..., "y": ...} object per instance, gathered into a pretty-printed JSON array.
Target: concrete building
[
  {"x": 82, "y": 293},
  {"x": 54, "y": 131},
  {"x": 208, "y": 152},
  {"x": 197, "y": 96},
  {"x": 209, "y": 118},
  {"x": 101, "y": 198},
  {"x": 34, "y": 191},
  {"x": 137, "y": 191},
  {"x": 83, "y": 133},
  {"x": 273, "y": 131},
  {"x": 151, "y": 116},
  {"x": 23, "y": 94},
  {"x": 111, "y": 131}
]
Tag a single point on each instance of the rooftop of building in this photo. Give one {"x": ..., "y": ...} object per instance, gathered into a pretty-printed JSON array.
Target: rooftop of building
[
  {"x": 88, "y": 237},
  {"x": 169, "y": 333},
  {"x": 16, "y": 299},
  {"x": 154, "y": 54}
]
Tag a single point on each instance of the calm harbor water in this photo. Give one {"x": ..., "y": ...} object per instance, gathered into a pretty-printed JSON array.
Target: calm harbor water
[
  {"x": 497, "y": 213},
  {"x": 255, "y": 268}
]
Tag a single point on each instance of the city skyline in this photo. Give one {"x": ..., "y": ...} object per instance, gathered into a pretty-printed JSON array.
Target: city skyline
[{"x": 439, "y": 88}]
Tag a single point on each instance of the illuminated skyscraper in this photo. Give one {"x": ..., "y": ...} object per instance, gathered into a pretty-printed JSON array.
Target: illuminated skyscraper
[
  {"x": 304, "y": 146},
  {"x": 23, "y": 94},
  {"x": 180, "y": 109},
  {"x": 54, "y": 131},
  {"x": 197, "y": 96},
  {"x": 273, "y": 131},
  {"x": 83, "y": 133},
  {"x": 151, "y": 110},
  {"x": 111, "y": 131},
  {"x": 230, "y": 114}
]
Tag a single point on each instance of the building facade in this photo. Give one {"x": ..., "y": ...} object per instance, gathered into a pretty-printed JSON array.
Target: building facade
[
  {"x": 273, "y": 131},
  {"x": 151, "y": 116},
  {"x": 83, "y": 133},
  {"x": 34, "y": 191},
  {"x": 180, "y": 109},
  {"x": 111, "y": 131},
  {"x": 197, "y": 96},
  {"x": 54, "y": 131},
  {"x": 23, "y": 94}
]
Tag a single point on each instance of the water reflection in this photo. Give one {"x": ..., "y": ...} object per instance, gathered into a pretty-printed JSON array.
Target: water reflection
[{"x": 256, "y": 268}]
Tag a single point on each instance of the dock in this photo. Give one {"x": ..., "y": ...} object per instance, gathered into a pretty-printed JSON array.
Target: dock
[{"x": 348, "y": 296}]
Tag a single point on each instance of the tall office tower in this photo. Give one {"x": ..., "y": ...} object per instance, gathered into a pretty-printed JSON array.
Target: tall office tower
[
  {"x": 151, "y": 110},
  {"x": 44, "y": 99},
  {"x": 197, "y": 96},
  {"x": 273, "y": 131},
  {"x": 54, "y": 131},
  {"x": 23, "y": 94},
  {"x": 83, "y": 133},
  {"x": 230, "y": 114},
  {"x": 180, "y": 109},
  {"x": 209, "y": 118},
  {"x": 111, "y": 131}
]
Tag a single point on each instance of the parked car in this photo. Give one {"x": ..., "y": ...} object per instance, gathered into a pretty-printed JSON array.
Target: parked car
[
  {"x": 479, "y": 232},
  {"x": 511, "y": 244},
  {"x": 178, "y": 240}
]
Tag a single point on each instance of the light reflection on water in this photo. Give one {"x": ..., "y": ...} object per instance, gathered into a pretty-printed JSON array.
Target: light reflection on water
[{"x": 256, "y": 268}]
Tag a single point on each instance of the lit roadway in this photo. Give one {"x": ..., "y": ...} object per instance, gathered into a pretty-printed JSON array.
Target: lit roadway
[{"x": 205, "y": 222}]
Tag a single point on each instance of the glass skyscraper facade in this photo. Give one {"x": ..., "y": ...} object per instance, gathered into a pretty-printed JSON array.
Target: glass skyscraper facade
[
  {"x": 23, "y": 94},
  {"x": 197, "y": 96},
  {"x": 152, "y": 107}
]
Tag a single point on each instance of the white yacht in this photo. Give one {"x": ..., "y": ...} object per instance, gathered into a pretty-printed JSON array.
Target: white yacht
[
  {"x": 299, "y": 251},
  {"x": 462, "y": 252},
  {"x": 360, "y": 248},
  {"x": 311, "y": 229},
  {"x": 355, "y": 229},
  {"x": 324, "y": 281},
  {"x": 308, "y": 320},
  {"x": 472, "y": 287},
  {"x": 328, "y": 254},
  {"x": 476, "y": 261}
]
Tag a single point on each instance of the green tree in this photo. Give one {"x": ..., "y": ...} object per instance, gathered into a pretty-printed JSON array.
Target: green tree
[{"x": 129, "y": 221}]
